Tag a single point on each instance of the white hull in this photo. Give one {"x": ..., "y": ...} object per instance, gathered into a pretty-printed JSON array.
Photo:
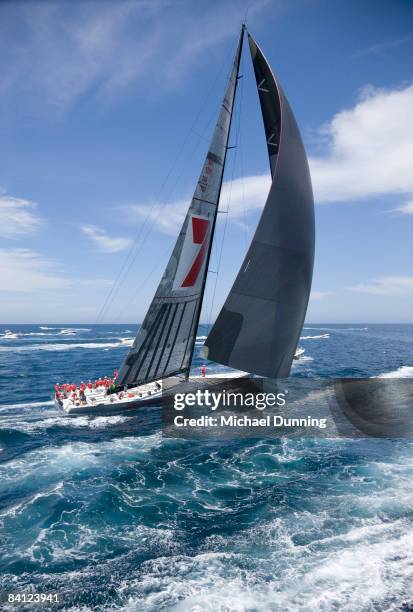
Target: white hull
[{"x": 99, "y": 403}]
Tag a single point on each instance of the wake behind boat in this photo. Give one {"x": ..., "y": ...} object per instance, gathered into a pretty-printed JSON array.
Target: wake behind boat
[{"x": 259, "y": 326}]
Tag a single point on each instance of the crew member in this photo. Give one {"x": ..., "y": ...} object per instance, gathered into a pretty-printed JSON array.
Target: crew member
[{"x": 203, "y": 371}]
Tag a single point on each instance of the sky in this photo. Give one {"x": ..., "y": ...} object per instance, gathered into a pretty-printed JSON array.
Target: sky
[{"x": 106, "y": 108}]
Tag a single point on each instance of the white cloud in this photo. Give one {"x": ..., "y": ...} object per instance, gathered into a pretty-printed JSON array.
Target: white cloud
[
  {"x": 25, "y": 271},
  {"x": 17, "y": 217},
  {"x": 243, "y": 196},
  {"x": 386, "y": 285},
  {"x": 383, "y": 46},
  {"x": 73, "y": 49},
  {"x": 36, "y": 288},
  {"x": 319, "y": 295},
  {"x": 105, "y": 243},
  {"x": 406, "y": 208},
  {"x": 218, "y": 24},
  {"x": 66, "y": 53},
  {"x": 369, "y": 149}
]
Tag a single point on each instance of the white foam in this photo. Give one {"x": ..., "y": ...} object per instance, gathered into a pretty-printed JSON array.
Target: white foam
[
  {"x": 337, "y": 329},
  {"x": 66, "y": 328},
  {"x": 127, "y": 341},
  {"x": 102, "y": 421},
  {"x": 26, "y": 405},
  {"x": 68, "y": 347},
  {"x": 315, "y": 337},
  {"x": 51, "y": 463},
  {"x": 402, "y": 372},
  {"x": 264, "y": 567},
  {"x": 358, "y": 575},
  {"x": 66, "y": 421},
  {"x": 302, "y": 359}
]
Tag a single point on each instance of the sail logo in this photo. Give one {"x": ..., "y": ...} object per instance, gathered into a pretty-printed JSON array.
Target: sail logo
[
  {"x": 208, "y": 170},
  {"x": 194, "y": 253}
]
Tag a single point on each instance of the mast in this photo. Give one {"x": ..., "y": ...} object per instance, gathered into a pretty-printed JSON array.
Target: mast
[
  {"x": 259, "y": 326},
  {"x": 165, "y": 341},
  {"x": 208, "y": 257}
]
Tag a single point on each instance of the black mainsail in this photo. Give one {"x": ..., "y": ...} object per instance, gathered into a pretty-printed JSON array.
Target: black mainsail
[
  {"x": 259, "y": 326},
  {"x": 166, "y": 338}
]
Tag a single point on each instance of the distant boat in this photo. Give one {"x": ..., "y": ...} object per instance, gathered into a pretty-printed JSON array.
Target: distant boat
[
  {"x": 298, "y": 353},
  {"x": 67, "y": 332},
  {"x": 258, "y": 328},
  {"x": 9, "y": 335}
]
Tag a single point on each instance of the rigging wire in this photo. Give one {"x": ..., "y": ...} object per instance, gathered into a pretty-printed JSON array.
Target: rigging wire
[
  {"x": 134, "y": 249},
  {"x": 242, "y": 178},
  {"x": 143, "y": 283},
  {"x": 160, "y": 259},
  {"x": 220, "y": 252}
]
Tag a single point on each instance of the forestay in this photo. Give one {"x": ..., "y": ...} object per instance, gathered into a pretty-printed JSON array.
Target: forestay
[
  {"x": 165, "y": 341},
  {"x": 259, "y": 325}
]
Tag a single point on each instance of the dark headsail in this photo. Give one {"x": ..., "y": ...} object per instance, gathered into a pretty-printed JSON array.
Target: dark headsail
[
  {"x": 259, "y": 325},
  {"x": 165, "y": 341}
]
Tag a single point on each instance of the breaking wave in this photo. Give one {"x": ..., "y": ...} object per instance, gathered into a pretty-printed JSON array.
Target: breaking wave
[
  {"x": 66, "y": 328},
  {"x": 315, "y": 337},
  {"x": 26, "y": 405},
  {"x": 69, "y": 347},
  {"x": 338, "y": 329},
  {"x": 402, "y": 372}
]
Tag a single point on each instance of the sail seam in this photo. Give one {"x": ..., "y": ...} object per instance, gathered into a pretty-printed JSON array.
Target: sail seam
[
  {"x": 176, "y": 334},
  {"x": 150, "y": 337},
  {"x": 191, "y": 332},
  {"x": 167, "y": 313},
  {"x": 166, "y": 338}
]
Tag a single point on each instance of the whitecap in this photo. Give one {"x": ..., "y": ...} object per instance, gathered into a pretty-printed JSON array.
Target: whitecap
[
  {"x": 68, "y": 347},
  {"x": 402, "y": 372},
  {"x": 26, "y": 405},
  {"x": 315, "y": 337}
]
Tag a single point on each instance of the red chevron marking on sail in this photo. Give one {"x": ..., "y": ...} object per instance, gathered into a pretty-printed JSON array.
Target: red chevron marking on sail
[
  {"x": 199, "y": 233},
  {"x": 199, "y": 229}
]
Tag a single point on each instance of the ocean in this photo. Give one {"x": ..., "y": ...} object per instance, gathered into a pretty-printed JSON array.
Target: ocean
[{"x": 111, "y": 516}]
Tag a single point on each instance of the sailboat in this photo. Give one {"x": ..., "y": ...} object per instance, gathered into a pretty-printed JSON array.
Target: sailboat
[{"x": 258, "y": 328}]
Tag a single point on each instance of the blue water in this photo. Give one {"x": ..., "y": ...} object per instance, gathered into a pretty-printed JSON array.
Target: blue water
[{"x": 111, "y": 516}]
